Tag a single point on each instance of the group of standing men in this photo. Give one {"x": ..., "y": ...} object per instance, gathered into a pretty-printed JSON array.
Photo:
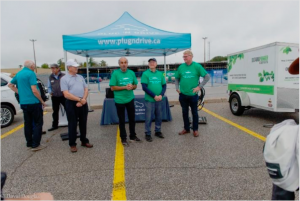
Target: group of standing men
[
  {"x": 123, "y": 82},
  {"x": 71, "y": 92}
]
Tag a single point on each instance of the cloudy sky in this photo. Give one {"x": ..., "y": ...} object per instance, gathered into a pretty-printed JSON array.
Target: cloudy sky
[{"x": 230, "y": 26}]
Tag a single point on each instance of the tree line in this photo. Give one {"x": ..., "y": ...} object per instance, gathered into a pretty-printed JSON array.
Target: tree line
[{"x": 92, "y": 62}]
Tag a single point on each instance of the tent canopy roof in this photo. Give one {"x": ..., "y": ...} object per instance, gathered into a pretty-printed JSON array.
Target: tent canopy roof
[{"x": 126, "y": 37}]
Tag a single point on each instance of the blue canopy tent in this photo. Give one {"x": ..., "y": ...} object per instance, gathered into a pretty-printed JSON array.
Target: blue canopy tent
[{"x": 126, "y": 37}]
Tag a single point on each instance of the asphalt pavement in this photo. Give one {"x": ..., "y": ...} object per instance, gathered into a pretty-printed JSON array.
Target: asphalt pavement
[{"x": 223, "y": 163}]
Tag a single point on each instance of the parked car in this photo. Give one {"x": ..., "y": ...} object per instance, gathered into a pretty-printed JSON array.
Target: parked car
[
  {"x": 93, "y": 79},
  {"x": 9, "y": 100},
  {"x": 9, "y": 104}
]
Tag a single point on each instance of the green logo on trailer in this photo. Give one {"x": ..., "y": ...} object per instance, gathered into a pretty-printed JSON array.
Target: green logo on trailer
[
  {"x": 286, "y": 50},
  {"x": 232, "y": 59},
  {"x": 266, "y": 76}
]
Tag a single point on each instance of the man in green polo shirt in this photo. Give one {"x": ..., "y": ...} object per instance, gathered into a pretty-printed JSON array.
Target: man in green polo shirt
[
  {"x": 188, "y": 75},
  {"x": 154, "y": 85},
  {"x": 123, "y": 81}
]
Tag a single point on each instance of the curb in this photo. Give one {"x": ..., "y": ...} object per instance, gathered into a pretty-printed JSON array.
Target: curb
[{"x": 96, "y": 107}]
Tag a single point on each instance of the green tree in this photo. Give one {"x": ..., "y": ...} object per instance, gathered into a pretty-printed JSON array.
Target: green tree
[
  {"x": 103, "y": 63},
  {"x": 45, "y": 66},
  {"x": 219, "y": 58},
  {"x": 61, "y": 64},
  {"x": 92, "y": 62}
]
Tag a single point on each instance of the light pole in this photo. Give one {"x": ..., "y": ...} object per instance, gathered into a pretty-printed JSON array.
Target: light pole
[
  {"x": 204, "y": 51},
  {"x": 32, "y": 40}
]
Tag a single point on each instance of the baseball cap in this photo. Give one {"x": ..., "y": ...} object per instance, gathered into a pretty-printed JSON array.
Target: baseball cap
[
  {"x": 72, "y": 62},
  {"x": 294, "y": 67},
  {"x": 152, "y": 59},
  {"x": 54, "y": 65}
]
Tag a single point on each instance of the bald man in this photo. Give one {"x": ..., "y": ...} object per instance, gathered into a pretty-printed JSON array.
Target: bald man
[
  {"x": 31, "y": 103},
  {"x": 123, "y": 81}
]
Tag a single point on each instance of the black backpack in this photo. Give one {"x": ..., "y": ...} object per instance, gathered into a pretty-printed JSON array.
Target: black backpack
[{"x": 42, "y": 89}]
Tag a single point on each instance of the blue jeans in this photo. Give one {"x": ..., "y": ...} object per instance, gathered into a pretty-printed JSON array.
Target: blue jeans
[
  {"x": 33, "y": 115},
  {"x": 153, "y": 110},
  {"x": 186, "y": 102}
]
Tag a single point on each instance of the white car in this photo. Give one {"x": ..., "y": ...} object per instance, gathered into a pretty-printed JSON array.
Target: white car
[{"x": 9, "y": 104}]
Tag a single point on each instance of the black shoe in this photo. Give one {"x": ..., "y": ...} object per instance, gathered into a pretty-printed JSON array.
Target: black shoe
[
  {"x": 159, "y": 134},
  {"x": 125, "y": 143},
  {"x": 148, "y": 138},
  {"x": 52, "y": 129},
  {"x": 135, "y": 139}
]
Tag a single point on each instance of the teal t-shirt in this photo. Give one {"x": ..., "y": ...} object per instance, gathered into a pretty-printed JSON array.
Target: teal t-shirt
[
  {"x": 154, "y": 80},
  {"x": 189, "y": 77},
  {"x": 120, "y": 78},
  {"x": 25, "y": 79}
]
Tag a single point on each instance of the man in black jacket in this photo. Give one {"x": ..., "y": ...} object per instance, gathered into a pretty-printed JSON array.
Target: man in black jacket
[{"x": 57, "y": 96}]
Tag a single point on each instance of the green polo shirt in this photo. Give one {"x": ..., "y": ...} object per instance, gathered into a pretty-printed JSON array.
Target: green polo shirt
[
  {"x": 189, "y": 77},
  {"x": 154, "y": 80},
  {"x": 120, "y": 78},
  {"x": 25, "y": 79}
]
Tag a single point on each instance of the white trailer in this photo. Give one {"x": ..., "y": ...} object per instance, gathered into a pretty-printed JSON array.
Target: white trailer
[{"x": 259, "y": 78}]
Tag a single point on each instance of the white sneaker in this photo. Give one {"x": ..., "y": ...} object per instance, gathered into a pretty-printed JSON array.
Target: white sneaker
[{"x": 38, "y": 148}]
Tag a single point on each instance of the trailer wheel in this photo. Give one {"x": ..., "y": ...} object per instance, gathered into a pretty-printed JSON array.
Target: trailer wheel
[{"x": 235, "y": 105}]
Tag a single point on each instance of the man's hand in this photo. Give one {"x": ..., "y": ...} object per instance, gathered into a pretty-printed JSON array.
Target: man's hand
[
  {"x": 43, "y": 104},
  {"x": 78, "y": 104},
  {"x": 83, "y": 101},
  {"x": 178, "y": 90},
  {"x": 196, "y": 90},
  {"x": 158, "y": 98},
  {"x": 129, "y": 87}
]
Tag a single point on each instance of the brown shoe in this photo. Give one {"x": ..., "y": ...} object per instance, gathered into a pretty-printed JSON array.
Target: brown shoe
[
  {"x": 87, "y": 145},
  {"x": 183, "y": 132},
  {"x": 73, "y": 149},
  {"x": 195, "y": 133}
]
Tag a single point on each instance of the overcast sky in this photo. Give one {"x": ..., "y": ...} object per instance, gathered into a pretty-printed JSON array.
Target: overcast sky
[{"x": 229, "y": 26}]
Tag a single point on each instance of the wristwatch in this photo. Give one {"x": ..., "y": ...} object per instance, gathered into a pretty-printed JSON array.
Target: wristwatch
[{"x": 80, "y": 99}]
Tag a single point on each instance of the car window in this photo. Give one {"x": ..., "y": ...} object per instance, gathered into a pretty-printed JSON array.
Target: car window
[{"x": 3, "y": 82}]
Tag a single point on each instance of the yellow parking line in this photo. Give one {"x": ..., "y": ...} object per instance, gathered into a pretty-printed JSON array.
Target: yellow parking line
[
  {"x": 235, "y": 125},
  {"x": 14, "y": 130},
  {"x": 119, "y": 187}
]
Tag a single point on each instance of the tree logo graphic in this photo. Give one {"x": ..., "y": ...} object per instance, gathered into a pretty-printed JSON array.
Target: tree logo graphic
[
  {"x": 286, "y": 50},
  {"x": 232, "y": 59}
]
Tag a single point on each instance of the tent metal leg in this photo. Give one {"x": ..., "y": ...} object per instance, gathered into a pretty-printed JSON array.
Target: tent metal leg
[{"x": 88, "y": 82}]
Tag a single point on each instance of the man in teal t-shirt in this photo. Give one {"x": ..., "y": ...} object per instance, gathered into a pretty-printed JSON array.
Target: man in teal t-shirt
[
  {"x": 188, "y": 75},
  {"x": 123, "y": 81},
  {"x": 31, "y": 103},
  {"x": 154, "y": 85}
]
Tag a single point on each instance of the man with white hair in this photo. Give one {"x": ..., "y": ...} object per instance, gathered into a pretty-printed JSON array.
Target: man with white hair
[
  {"x": 75, "y": 91},
  {"x": 31, "y": 103},
  {"x": 187, "y": 85}
]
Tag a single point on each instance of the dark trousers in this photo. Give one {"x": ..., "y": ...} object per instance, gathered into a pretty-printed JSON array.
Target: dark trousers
[
  {"x": 33, "y": 115},
  {"x": 74, "y": 114},
  {"x": 131, "y": 117},
  {"x": 186, "y": 102},
  {"x": 56, "y": 101},
  {"x": 281, "y": 194}
]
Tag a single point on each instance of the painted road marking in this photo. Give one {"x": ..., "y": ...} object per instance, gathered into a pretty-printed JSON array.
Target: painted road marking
[
  {"x": 14, "y": 130},
  {"x": 119, "y": 187},
  {"x": 254, "y": 134}
]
